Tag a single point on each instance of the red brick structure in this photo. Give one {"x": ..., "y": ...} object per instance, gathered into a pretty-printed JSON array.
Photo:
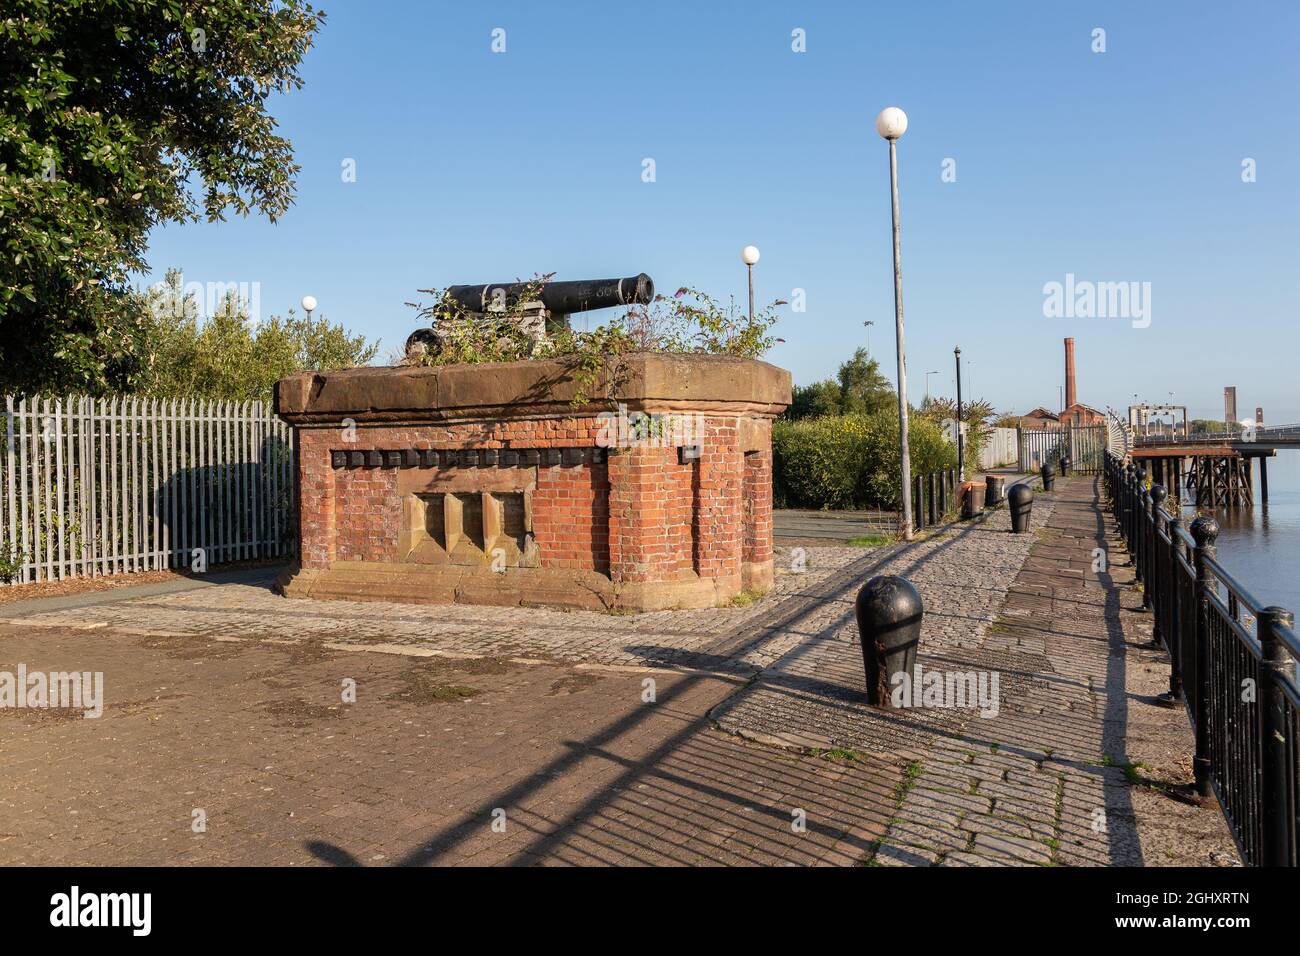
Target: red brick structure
[
  {"x": 1075, "y": 412},
  {"x": 487, "y": 484}
]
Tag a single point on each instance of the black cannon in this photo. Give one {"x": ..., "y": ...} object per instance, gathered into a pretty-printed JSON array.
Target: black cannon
[{"x": 559, "y": 298}]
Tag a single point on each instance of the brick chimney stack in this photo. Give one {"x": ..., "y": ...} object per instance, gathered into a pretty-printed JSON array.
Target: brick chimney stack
[{"x": 1069, "y": 373}]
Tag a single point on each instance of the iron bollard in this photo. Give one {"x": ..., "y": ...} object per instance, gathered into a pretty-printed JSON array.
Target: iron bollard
[
  {"x": 994, "y": 489},
  {"x": 889, "y": 612},
  {"x": 1065, "y": 467},
  {"x": 1049, "y": 475},
  {"x": 1020, "y": 499}
]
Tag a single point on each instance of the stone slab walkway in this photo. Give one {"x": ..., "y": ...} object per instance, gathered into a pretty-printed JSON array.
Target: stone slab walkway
[
  {"x": 500, "y": 736},
  {"x": 1076, "y": 763}
]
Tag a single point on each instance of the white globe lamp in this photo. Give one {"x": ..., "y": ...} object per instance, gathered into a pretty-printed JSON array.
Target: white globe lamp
[{"x": 891, "y": 123}]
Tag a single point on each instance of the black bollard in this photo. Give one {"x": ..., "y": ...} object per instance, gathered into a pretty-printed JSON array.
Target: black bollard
[
  {"x": 994, "y": 486},
  {"x": 889, "y": 612},
  {"x": 1065, "y": 467},
  {"x": 1021, "y": 502},
  {"x": 1049, "y": 475}
]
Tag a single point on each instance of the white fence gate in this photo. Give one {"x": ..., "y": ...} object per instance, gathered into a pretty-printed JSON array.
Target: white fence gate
[
  {"x": 94, "y": 486},
  {"x": 1000, "y": 448}
]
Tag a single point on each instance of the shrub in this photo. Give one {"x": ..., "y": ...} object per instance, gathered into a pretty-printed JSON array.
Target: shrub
[
  {"x": 850, "y": 461},
  {"x": 689, "y": 321}
]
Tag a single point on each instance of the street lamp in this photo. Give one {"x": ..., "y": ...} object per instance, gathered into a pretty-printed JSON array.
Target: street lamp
[
  {"x": 867, "y": 325},
  {"x": 309, "y": 304},
  {"x": 927, "y": 381},
  {"x": 891, "y": 124},
  {"x": 961, "y": 458},
  {"x": 749, "y": 255}
]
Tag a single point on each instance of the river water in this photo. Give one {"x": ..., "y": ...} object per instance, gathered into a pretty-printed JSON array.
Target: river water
[{"x": 1260, "y": 546}]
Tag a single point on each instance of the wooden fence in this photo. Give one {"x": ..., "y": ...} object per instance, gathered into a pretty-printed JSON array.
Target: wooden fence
[{"x": 95, "y": 486}]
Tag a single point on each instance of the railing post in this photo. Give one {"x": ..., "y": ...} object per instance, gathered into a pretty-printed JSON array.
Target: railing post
[
  {"x": 1127, "y": 523},
  {"x": 918, "y": 515},
  {"x": 1155, "y": 590},
  {"x": 930, "y": 481},
  {"x": 1147, "y": 520},
  {"x": 1173, "y": 629},
  {"x": 1274, "y": 738},
  {"x": 1204, "y": 532}
]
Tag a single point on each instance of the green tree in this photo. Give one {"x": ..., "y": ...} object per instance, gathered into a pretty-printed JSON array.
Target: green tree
[
  {"x": 228, "y": 356},
  {"x": 976, "y": 413},
  {"x": 863, "y": 389},
  {"x": 858, "y": 388},
  {"x": 115, "y": 117}
]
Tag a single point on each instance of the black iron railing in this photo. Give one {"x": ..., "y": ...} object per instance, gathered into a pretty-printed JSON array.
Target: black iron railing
[
  {"x": 1232, "y": 662},
  {"x": 933, "y": 495}
]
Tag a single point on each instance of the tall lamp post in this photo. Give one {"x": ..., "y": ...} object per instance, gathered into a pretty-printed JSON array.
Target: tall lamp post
[
  {"x": 891, "y": 124},
  {"x": 749, "y": 256},
  {"x": 961, "y": 448},
  {"x": 309, "y": 305},
  {"x": 867, "y": 325}
]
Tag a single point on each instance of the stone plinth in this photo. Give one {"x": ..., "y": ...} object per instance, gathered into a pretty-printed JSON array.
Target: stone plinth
[{"x": 487, "y": 484}]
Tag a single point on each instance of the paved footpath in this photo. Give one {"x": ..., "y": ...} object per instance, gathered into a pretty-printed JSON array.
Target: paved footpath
[
  {"x": 1080, "y": 766},
  {"x": 499, "y": 736}
]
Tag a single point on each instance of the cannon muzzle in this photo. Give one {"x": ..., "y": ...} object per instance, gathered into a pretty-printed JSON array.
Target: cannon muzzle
[{"x": 559, "y": 298}]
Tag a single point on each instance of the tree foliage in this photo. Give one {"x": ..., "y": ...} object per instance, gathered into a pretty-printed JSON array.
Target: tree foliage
[
  {"x": 859, "y": 388},
  {"x": 116, "y": 117},
  {"x": 228, "y": 356}
]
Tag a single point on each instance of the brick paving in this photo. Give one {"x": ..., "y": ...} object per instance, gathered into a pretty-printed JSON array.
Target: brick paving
[
  {"x": 1078, "y": 766},
  {"x": 227, "y": 700}
]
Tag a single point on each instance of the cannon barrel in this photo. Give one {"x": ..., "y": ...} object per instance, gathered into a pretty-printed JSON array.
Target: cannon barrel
[{"x": 559, "y": 298}]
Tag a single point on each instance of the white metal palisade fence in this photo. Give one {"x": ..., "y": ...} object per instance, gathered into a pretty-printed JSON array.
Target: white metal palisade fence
[{"x": 95, "y": 486}]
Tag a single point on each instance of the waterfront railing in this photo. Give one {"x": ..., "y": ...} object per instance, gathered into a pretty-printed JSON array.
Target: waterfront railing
[{"x": 1233, "y": 664}]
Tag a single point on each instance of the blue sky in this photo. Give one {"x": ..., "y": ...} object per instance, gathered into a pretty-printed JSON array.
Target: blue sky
[{"x": 1122, "y": 166}]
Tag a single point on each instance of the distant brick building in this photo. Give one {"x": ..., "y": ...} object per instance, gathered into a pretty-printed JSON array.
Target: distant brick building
[
  {"x": 1076, "y": 413},
  {"x": 1040, "y": 418}
]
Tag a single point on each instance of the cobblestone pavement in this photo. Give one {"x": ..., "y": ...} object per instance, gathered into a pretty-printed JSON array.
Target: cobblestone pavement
[
  {"x": 1077, "y": 766},
  {"x": 223, "y": 705},
  {"x": 658, "y": 638}
]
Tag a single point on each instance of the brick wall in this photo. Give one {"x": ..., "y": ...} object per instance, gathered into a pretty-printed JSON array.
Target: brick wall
[
  {"x": 643, "y": 516},
  {"x": 571, "y": 517}
]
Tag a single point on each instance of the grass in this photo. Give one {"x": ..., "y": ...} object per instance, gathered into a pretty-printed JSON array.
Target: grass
[
  {"x": 872, "y": 540},
  {"x": 840, "y": 753},
  {"x": 744, "y": 599}
]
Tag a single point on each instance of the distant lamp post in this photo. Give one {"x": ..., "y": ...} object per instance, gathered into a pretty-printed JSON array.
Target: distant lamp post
[
  {"x": 309, "y": 304},
  {"x": 961, "y": 458},
  {"x": 749, "y": 256},
  {"x": 927, "y": 381},
  {"x": 867, "y": 325},
  {"x": 891, "y": 124}
]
